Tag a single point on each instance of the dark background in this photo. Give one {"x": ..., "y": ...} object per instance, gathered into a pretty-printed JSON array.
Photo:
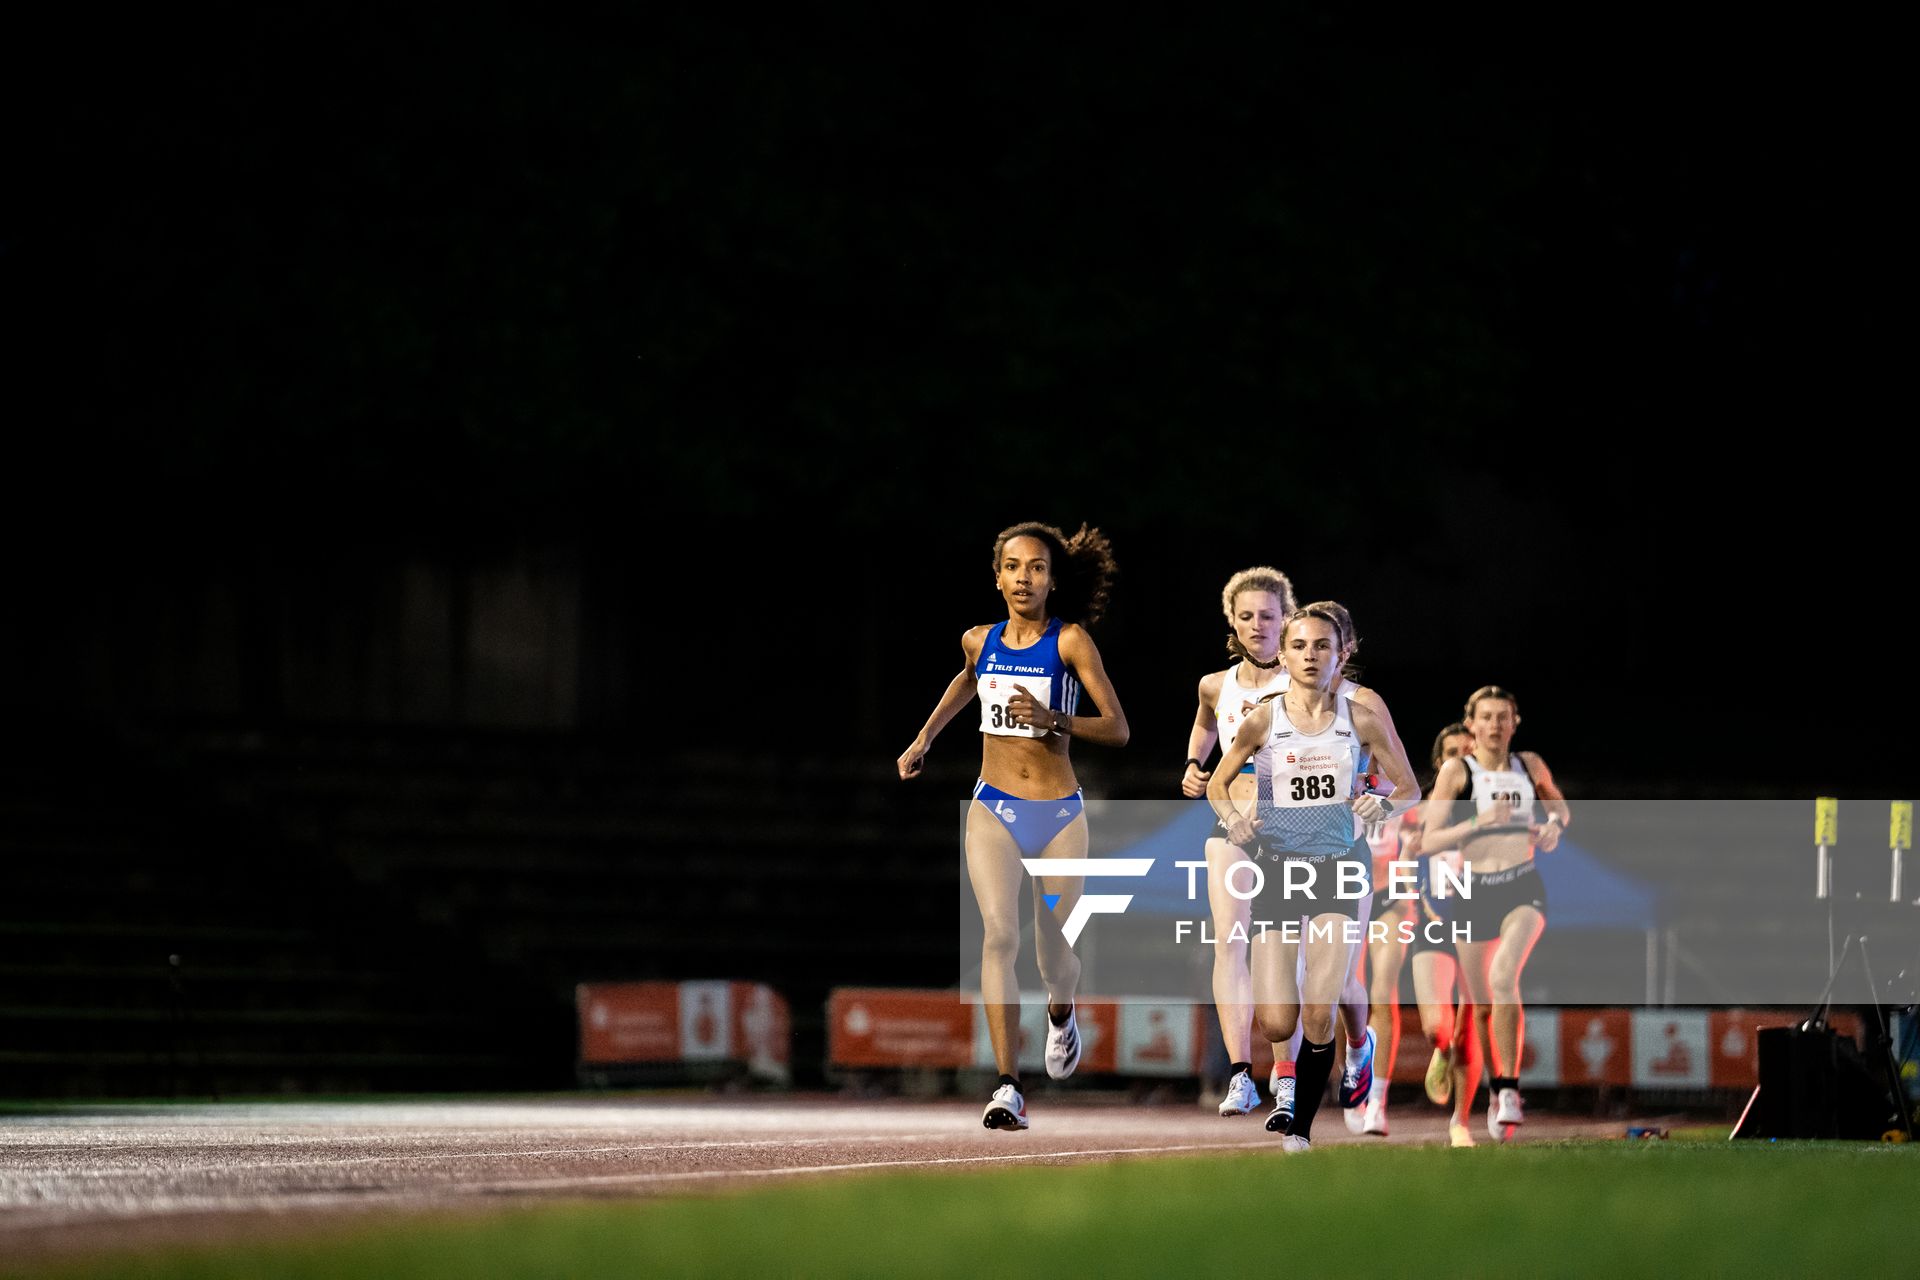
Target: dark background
[
  {"x": 645, "y": 388},
  {"x": 1551, "y": 349}
]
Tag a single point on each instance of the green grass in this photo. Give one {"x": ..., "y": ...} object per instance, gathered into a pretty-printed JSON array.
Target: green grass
[
  {"x": 1700, "y": 1133},
  {"x": 1679, "y": 1208}
]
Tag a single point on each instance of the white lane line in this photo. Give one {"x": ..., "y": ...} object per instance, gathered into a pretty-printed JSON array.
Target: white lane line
[
  {"x": 422, "y": 1197},
  {"x": 324, "y": 1137},
  {"x": 221, "y": 1164},
  {"x": 42, "y": 1217},
  {"x": 619, "y": 1179}
]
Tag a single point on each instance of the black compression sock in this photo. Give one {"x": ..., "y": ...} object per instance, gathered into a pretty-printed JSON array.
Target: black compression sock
[
  {"x": 1504, "y": 1082},
  {"x": 1316, "y": 1064},
  {"x": 1235, "y": 1068}
]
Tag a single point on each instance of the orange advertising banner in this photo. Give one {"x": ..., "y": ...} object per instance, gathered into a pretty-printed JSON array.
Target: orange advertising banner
[
  {"x": 624, "y": 1022},
  {"x": 1099, "y": 1022},
  {"x": 1575, "y": 1046},
  {"x": 878, "y": 1027},
  {"x": 1596, "y": 1046}
]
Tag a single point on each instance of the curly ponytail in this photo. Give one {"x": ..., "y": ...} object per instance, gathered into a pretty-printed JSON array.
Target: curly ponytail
[{"x": 1083, "y": 568}]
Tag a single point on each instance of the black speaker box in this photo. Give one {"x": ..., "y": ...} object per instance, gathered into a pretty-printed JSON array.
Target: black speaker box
[{"x": 1815, "y": 1084}]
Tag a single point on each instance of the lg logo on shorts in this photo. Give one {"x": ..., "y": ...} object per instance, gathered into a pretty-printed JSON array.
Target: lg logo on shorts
[
  {"x": 1090, "y": 904},
  {"x": 1005, "y": 811}
]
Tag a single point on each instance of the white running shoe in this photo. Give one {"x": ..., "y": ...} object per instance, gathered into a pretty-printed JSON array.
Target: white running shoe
[
  {"x": 1356, "y": 1077},
  {"x": 1459, "y": 1135},
  {"x": 1294, "y": 1143},
  {"x": 1063, "y": 1046},
  {"x": 1504, "y": 1114},
  {"x": 1356, "y": 1118},
  {"x": 1007, "y": 1110},
  {"x": 1439, "y": 1079},
  {"x": 1376, "y": 1112},
  {"x": 1241, "y": 1097},
  {"x": 1281, "y": 1118}
]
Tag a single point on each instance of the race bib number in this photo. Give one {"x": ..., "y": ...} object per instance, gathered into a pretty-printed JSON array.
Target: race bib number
[
  {"x": 997, "y": 689},
  {"x": 1311, "y": 776},
  {"x": 1495, "y": 785}
]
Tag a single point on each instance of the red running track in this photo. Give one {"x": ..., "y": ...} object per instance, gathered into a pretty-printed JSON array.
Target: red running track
[{"x": 86, "y": 1178}]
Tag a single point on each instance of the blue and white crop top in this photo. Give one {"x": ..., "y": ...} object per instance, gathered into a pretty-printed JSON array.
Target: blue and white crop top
[{"x": 1038, "y": 669}]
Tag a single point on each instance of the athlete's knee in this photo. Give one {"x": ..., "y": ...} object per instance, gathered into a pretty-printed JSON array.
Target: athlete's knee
[
  {"x": 1316, "y": 1024},
  {"x": 1276, "y": 1022},
  {"x": 1002, "y": 943},
  {"x": 1503, "y": 981},
  {"x": 1505, "y": 986}
]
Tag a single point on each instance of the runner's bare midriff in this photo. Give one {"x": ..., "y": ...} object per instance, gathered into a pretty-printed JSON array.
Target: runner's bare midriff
[
  {"x": 1029, "y": 768},
  {"x": 1241, "y": 790},
  {"x": 1497, "y": 850}
]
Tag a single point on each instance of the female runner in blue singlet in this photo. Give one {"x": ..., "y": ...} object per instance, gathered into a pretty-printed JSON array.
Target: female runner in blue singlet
[{"x": 1028, "y": 672}]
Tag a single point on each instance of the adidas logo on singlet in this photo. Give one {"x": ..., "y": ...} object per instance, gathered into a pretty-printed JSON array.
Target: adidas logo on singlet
[{"x": 1063, "y": 814}]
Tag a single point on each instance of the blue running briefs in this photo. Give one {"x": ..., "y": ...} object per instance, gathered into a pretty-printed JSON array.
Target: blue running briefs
[{"x": 1032, "y": 823}]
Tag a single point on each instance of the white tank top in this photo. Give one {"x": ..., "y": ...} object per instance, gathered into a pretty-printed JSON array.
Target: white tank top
[
  {"x": 1305, "y": 782},
  {"x": 1343, "y": 693},
  {"x": 1236, "y": 700},
  {"x": 1487, "y": 786}
]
